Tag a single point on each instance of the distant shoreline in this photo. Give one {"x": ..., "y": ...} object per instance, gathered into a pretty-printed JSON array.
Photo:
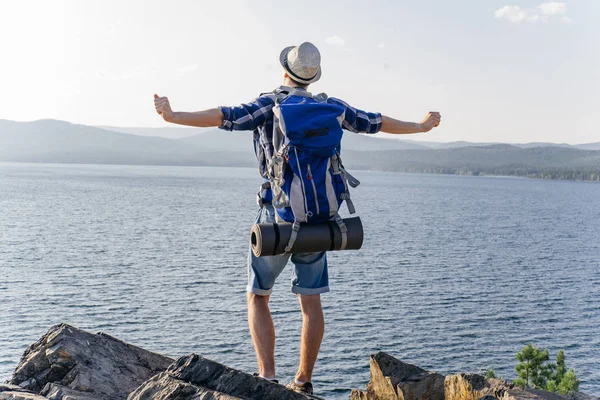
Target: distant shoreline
[
  {"x": 51, "y": 141},
  {"x": 559, "y": 175}
]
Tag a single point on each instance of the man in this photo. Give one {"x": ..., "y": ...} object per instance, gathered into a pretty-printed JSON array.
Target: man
[{"x": 302, "y": 66}]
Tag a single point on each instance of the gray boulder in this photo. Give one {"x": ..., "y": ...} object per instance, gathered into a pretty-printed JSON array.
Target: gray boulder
[
  {"x": 14, "y": 392},
  {"x": 85, "y": 366},
  {"x": 54, "y": 391},
  {"x": 194, "y": 377}
]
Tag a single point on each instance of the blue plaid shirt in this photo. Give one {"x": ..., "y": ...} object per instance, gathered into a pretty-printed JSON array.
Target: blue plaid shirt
[{"x": 257, "y": 116}]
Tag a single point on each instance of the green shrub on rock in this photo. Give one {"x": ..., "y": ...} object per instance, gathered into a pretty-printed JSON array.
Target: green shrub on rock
[{"x": 535, "y": 370}]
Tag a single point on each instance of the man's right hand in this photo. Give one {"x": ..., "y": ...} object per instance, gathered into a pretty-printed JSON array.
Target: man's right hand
[
  {"x": 163, "y": 107},
  {"x": 432, "y": 120}
]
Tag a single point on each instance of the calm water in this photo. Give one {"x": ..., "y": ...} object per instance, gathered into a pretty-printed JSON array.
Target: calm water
[{"x": 456, "y": 274}]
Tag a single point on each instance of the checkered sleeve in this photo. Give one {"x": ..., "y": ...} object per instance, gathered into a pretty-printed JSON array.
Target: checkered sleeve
[
  {"x": 358, "y": 121},
  {"x": 248, "y": 116}
]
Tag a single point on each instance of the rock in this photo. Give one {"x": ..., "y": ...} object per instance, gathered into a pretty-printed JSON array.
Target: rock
[
  {"x": 474, "y": 387},
  {"x": 581, "y": 396},
  {"x": 358, "y": 395},
  {"x": 13, "y": 392},
  {"x": 20, "y": 396},
  {"x": 54, "y": 391},
  {"x": 392, "y": 379},
  {"x": 94, "y": 365},
  {"x": 163, "y": 386},
  {"x": 70, "y": 364},
  {"x": 530, "y": 394},
  {"x": 518, "y": 393},
  {"x": 195, "y": 377},
  {"x": 5, "y": 387},
  {"x": 477, "y": 387}
]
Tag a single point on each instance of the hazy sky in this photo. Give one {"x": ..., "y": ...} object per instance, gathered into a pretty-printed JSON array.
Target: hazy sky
[{"x": 498, "y": 70}]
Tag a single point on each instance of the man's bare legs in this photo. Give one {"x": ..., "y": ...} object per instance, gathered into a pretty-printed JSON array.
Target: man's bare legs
[
  {"x": 262, "y": 331},
  {"x": 313, "y": 329}
]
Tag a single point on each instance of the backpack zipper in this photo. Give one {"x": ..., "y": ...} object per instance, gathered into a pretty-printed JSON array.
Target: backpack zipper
[{"x": 310, "y": 178}]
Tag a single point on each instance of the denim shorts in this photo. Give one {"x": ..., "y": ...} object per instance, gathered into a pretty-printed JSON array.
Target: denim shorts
[{"x": 310, "y": 269}]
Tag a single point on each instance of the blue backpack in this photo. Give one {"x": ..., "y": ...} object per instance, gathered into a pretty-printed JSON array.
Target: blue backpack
[{"x": 306, "y": 174}]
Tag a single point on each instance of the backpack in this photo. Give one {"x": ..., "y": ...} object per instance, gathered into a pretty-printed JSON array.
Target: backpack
[{"x": 306, "y": 174}]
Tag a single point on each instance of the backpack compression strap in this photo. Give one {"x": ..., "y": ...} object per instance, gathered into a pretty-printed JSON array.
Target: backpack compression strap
[
  {"x": 338, "y": 220},
  {"x": 343, "y": 228},
  {"x": 293, "y": 237}
]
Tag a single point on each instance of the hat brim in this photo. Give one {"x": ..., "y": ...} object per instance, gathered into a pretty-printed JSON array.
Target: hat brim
[{"x": 283, "y": 57}]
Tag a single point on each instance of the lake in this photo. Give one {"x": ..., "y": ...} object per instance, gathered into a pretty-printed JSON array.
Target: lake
[{"x": 456, "y": 273}]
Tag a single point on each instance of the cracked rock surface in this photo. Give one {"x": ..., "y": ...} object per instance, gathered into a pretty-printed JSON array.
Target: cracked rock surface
[{"x": 194, "y": 377}]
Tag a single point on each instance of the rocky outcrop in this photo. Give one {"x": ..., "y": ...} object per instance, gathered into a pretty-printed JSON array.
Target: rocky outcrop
[
  {"x": 392, "y": 379},
  {"x": 193, "y": 376},
  {"x": 84, "y": 366},
  {"x": 70, "y": 364}
]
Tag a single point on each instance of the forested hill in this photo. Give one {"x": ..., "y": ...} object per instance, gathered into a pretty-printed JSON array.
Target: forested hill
[
  {"x": 500, "y": 159},
  {"x": 62, "y": 142}
]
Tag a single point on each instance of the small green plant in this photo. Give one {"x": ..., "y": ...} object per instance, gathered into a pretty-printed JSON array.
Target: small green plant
[
  {"x": 569, "y": 383},
  {"x": 535, "y": 370},
  {"x": 490, "y": 374},
  {"x": 563, "y": 381}
]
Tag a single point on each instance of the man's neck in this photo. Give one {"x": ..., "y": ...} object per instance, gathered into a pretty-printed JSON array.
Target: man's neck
[
  {"x": 290, "y": 83},
  {"x": 291, "y": 87}
]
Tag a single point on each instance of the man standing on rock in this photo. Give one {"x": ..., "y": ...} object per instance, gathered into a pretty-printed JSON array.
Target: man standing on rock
[{"x": 301, "y": 67}]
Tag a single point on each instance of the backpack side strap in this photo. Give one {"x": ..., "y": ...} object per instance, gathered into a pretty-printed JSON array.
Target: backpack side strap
[
  {"x": 261, "y": 202},
  {"x": 338, "y": 169},
  {"x": 352, "y": 181},
  {"x": 349, "y": 203}
]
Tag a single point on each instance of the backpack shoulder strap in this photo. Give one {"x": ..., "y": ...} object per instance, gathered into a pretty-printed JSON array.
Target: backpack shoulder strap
[
  {"x": 321, "y": 97},
  {"x": 274, "y": 95}
]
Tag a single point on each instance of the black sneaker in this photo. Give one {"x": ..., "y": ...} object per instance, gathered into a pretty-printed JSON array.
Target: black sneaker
[
  {"x": 305, "y": 388},
  {"x": 256, "y": 374}
]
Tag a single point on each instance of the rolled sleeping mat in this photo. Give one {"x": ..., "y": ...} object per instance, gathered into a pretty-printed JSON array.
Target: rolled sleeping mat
[{"x": 272, "y": 239}]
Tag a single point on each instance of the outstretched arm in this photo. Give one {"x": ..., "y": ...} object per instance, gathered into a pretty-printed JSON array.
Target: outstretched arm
[
  {"x": 391, "y": 125},
  {"x": 206, "y": 118}
]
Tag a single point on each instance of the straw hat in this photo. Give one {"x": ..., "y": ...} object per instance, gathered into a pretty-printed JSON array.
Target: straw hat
[{"x": 302, "y": 63}]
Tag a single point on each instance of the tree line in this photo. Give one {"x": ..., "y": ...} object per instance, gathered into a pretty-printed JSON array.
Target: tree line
[{"x": 573, "y": 175}]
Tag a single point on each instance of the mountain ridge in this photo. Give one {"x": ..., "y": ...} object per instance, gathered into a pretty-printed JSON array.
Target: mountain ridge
[{"x": 53, "y": 141}]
